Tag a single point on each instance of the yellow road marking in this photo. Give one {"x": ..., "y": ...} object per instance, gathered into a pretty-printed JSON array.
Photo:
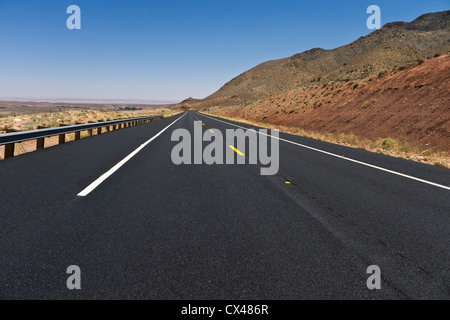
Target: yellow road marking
[
  {"x": 211, "y": 130},
  {"x": 236, "y": 150},
  {"x": 287, "y": 182}
]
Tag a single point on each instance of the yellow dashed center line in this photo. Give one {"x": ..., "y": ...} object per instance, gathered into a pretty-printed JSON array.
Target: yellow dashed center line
[
  {"x": 236, "y": 150},
  {"x": 211, "y": 130}
]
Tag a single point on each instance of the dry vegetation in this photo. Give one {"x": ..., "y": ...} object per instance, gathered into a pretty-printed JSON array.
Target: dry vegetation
[
  {"x": 72, "y": 117},
  {"x": 55, "y": 119},
  {"x": 385, "y": 146}
]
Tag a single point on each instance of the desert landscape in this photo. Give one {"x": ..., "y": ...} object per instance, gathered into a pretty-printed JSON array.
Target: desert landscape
[
  {"x": 17, "y": 117},
  {"x": 387, "y": 92},
  {"x": 136, "y": 163}
]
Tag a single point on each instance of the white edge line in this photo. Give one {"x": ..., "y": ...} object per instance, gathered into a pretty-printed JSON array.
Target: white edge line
[
  {"x": 111, "y": 171},
  {"x": 340, "y": 157}
]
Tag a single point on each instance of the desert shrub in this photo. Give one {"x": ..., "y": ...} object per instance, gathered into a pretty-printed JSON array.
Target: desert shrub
[
  {"x": 388, "y": 144},
  {"x": 369, "y": 103},
  {"x": 350, "y": 139}
]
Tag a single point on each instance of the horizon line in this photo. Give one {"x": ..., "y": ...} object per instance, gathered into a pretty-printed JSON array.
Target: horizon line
[{"x": 91, "y": 100}]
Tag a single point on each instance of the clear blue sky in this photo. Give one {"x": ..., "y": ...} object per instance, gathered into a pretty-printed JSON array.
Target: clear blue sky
[{"x": 168, "y": 49}]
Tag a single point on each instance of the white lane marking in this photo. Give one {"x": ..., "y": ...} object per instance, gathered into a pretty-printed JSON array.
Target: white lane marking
[
  {"x": 107, "y": 174},
  {"x": 340, "y": 156}
]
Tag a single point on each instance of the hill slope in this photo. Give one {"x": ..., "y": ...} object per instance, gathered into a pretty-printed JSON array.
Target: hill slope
[
  {"x": 411, "y": 106},
  {"x": 396, "y": 44}
]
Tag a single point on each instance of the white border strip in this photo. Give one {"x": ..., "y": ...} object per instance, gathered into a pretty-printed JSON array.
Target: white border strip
[
  {"x": 111, "y": 171},
  {"x": 338, "y": 156}
]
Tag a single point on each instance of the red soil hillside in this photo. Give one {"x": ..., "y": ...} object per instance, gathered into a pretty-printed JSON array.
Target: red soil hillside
[{"x": 411, "y": 105}]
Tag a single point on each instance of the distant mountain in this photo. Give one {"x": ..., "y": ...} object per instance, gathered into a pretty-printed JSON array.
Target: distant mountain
[{"x": 397, "y": 44}]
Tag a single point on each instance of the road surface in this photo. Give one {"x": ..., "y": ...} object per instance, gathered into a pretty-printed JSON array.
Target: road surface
[{"x": 148, "y": 229}]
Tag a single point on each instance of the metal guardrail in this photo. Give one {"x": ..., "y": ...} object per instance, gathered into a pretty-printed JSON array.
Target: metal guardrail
[{"x": 9, "y": 139}]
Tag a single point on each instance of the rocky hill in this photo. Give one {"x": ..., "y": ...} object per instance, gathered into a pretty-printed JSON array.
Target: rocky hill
[{"x": 397, "y": 44}]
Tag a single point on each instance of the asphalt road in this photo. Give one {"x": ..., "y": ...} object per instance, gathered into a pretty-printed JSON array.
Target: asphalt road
[{"x": 155, "y": 230}]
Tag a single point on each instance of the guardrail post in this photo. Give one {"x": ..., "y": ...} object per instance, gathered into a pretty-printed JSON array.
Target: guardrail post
[
  {"x": 9, "y": 150},
  {"x": 62, "y": 137},
  {"x": 90, "y": 132},
  {"x": 40, "y": 143},
  {"x": 78, "y": 135},
  {"x": 99, "y": 131},
  {"x": 108, "y": 128}
]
